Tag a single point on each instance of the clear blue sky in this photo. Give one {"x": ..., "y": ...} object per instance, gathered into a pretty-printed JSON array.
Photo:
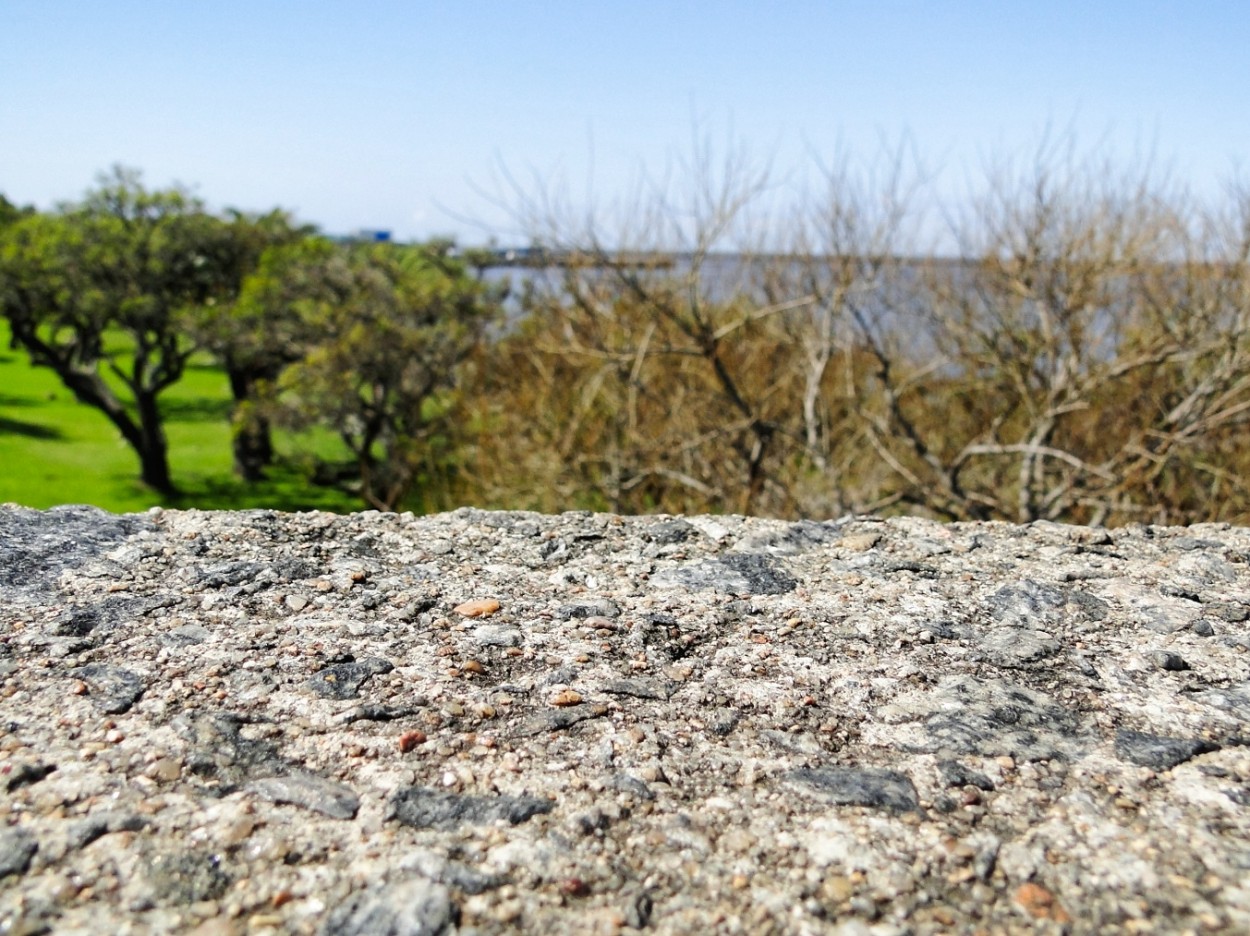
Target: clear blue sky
[{"x": 380, "y": 113}]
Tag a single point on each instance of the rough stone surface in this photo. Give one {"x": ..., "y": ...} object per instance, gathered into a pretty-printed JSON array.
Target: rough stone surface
[{"x": 246, "y": 723}]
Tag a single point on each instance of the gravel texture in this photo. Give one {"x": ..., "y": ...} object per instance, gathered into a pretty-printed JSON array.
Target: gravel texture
[{"x": 476, "y": 722}]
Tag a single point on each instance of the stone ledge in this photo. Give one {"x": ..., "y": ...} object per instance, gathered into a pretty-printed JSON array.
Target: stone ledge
[{"x": 487, "y": 722}]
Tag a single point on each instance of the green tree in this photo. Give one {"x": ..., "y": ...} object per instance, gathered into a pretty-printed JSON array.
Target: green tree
[
  {"x": 101, "y": 292},
  {"x": 379, "y": 331},
  {"x": 254, "y": 339},
  {"x": 11, "y": 213}
]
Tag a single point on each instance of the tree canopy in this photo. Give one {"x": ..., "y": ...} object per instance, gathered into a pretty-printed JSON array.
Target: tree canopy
[
  {"x": 371, "y": 336},
  {"x": 103, "y": 292}
]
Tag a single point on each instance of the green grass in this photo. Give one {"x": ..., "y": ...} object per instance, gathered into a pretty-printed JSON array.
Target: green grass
[{"x": 54, "y": 450}]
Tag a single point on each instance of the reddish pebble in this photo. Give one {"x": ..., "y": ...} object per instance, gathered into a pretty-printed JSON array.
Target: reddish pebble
[
  {"x": 410, "y": 739},
  {"x": 567, "y": 697},
  {"x": 479, "y": 608},
  {"x": 575, "y": 887},
  {"x": 1041, "y": 903}
]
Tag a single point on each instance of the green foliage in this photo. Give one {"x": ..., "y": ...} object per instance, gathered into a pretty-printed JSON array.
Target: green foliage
[
  {"x": 370, "y": 338},
  {"x": 10, "y": 213},
  {"x": 252, "y": 340},
  {"x": 125, "y": 260}
]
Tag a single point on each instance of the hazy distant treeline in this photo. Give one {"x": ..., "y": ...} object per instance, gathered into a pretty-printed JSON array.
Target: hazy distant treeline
[{"x": 1085, "y": 358}]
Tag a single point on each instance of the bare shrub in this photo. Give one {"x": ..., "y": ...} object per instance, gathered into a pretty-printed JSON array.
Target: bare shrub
[{"x": 1083, "y": 358}]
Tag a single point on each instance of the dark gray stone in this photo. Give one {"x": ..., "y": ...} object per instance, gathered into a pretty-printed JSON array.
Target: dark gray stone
[
  {"x": 498, "y": 635},
  {"x": 624, "y": 783},
  {"x": 723, "y": 720},
  {"x": 293, "y": 570},
  {"x": 423, "y": 808},
  {"x": 638, "y": 911},
  {"x": 1190, "y": 543},
  {"x": 591, "y": 821},
  {"x": 17, "y": 850},
  {"x": 993, "y": 718},
  {"x": 178, "y": 879},
  {"x": 860, "y": 786},
  {"x": 940, "y": 629},
  {"x": 659, "y": 689},
  {"x": 469, "y": 880},
  {"x": 601, "y": 607},
  {"x": 414, "y": 907},
  {"x": 560, "y": 676},
  {"x": 343, "y": 680},
  {"x": 189, "y": 635},
  {"x": 892, "y": 566},
  {"x": 1235, "y": 701},
  {"x": 1029, "y": 604},
  {"x": 1172, "y": 662},
  {"x": 103, "y": 617},
  {"x": 220, "y": 753},
  {"x": 745, "y": 574},
  {"x": 36, "y": 546},
  {"x": 1158, "y": 752},
  {"x": 86, "y": 831},
  {"x": 1207, "y": 569},
  {"x": 1202, "y": 627},
  {"x": 111, "y": 688},
  {"x": 1040, "y": 605},
  {"x": 1161, "y": 620},
  {"x": 223, "y": 574},
  {"x": 1091, "y": 607},
  {"x": 669, "y": 532},
  {"x": 300, "y": 788},
  {"x": 1016, "y": 646},
  {"x": 381, "y": 713},
  {"x": 560, "y": 719},
  {"x": 956, "y": 774},
  {"x": 26, "y": 774},
  {"x": 1231, "y": 612},
  {"x": 799, "y": 537},
  {"x": 77, "y": 622},
  {"x": 1175, "y": 591},
  {"x": 796, "y": 742}
]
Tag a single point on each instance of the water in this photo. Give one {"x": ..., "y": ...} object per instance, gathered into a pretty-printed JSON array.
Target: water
[{"x": 910, "y": 305}]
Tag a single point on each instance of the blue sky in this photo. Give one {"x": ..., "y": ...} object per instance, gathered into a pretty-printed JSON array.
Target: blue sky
[{"x": 396, "y": 114}]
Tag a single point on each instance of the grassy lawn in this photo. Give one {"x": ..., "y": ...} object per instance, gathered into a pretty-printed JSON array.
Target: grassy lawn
[{"x": 54, "y": 450}]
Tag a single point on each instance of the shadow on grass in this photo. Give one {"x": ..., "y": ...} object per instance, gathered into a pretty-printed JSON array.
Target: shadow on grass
[
  {"x": 28, "y": 429},
  {"x": 200, "y": 410},
  {"x": 15, "y": 401},
  {"x": 285, "y": 489}
]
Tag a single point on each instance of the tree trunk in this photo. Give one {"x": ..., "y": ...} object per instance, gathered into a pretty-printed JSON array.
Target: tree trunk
[
  {"x": 146, "y": 437},
  {"x": 252, "y": 439},
  {"x": 154, "y": 470},
  {"x": 154, "y": 449}
]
